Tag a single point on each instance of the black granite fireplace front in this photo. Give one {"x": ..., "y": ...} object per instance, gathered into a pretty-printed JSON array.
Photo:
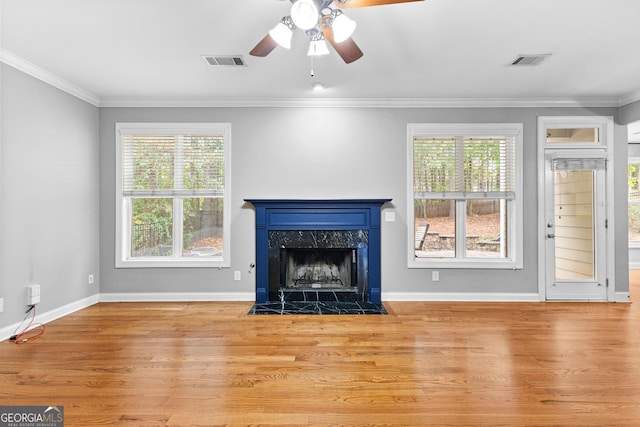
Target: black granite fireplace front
[
  {"x": 325, "y": 263},
  {"x": 318, "y": 250}
]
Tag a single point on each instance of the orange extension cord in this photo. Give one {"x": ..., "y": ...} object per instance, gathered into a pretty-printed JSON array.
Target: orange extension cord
[{"x": 30, "y": 332}]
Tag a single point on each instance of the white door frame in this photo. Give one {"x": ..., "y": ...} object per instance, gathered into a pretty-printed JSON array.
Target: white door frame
[{"x": 606, "y": 130}]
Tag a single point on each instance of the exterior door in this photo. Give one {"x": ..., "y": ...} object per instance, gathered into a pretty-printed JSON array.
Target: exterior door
[{"x": 575, "y": 227}]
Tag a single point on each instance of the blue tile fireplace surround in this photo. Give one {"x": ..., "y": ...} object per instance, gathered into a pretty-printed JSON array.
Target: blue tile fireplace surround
[{"x": 318, "y": 247}]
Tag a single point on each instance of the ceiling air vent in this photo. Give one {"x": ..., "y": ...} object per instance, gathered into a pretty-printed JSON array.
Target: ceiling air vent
[
  {"x": 530, "y": 60},
  {"x": 226, "y": 60}
]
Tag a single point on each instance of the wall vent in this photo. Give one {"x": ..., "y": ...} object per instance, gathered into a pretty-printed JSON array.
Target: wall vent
[
  {"x": 530, "y": 60},
  {"x": 224, "y": 60}
]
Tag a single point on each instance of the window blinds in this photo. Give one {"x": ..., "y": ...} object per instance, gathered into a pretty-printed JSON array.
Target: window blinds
[
  {"x": 579, "y": 164},
  {"x": 172, "y": 165},
  {"x": 464, "y": 168}
]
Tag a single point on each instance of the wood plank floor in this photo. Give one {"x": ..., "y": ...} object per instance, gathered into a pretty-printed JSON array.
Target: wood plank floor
[{"x": 424, "y": 364}]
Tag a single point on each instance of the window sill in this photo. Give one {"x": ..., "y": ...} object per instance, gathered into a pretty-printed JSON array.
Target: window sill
[
  {"x": 172, "y": 263},
  {"x": 503, "y": 264}
]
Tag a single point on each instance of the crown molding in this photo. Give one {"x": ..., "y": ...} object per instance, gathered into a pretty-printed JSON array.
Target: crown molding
[
  {"x": 37, "y": 72},
  {"x": 362, "y": 102},
  {"x": 41, "y": 74},
  {"x": 630, "y": 98}
]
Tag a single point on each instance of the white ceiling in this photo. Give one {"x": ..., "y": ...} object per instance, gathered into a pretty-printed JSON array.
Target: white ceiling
[{"x": 119, "y": 50}]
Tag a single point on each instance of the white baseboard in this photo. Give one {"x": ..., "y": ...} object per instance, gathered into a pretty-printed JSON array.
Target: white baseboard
[
  {"x": 622, "y": 297},
  {"x": 49, "y": 316},
  {"x": 460, "y": 297},
  {"x": 177, "y": 296},
  {"x": 634, "y": 265}
]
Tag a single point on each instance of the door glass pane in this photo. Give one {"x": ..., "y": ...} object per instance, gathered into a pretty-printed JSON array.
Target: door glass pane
[
  {"x": 634, "y": 223},
  {"x": 152, "y": 227},
  {"x": 574, "y": 225},
  {"x": 202, "y": 228},
  {"x": 573, "y": 135},
  {"x": 633, "y": 183},
  {"x": 486, "y": 219},
  {"x": 435, "y": 228}
]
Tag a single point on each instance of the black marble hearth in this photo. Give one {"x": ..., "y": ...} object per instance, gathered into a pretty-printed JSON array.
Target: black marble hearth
[{"x": 319, "y": 303}]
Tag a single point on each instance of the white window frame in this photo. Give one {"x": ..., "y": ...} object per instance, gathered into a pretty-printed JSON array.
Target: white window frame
[
  {"x": 515, "y": 213},
  {"x": 633, "y": 244},
  {"x": 123, "y": 209}
]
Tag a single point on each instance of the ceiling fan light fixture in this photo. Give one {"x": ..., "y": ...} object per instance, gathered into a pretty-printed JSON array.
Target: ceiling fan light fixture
[
  {"x": 305, "y": 14},
  {"x": 283, "y": 32},
  {"x": 318, "y": 46},
  {"x": 343, "y": 26}
]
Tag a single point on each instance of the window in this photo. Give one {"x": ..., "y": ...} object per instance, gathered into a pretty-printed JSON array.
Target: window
[
  {"x": 573, "y": 135},
  {"x": 465, "y": 193},
  {"x": 172, "y": 195},
  {"x": 633, "y": 183}
]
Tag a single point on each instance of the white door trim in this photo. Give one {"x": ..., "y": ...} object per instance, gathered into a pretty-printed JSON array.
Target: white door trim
[{"x": 606, "y": 127}]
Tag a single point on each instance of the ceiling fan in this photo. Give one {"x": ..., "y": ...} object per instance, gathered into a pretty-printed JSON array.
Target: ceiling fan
[{"x": 322, "y": 21}]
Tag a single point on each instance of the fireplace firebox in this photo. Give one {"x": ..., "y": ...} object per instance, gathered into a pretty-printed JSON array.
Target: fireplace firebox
[
  {"x": 318, "y": 246},
  {"x": 318, "y": 268}
]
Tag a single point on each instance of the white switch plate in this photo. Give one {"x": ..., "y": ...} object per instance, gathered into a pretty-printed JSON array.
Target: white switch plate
[
  {"x": 1, "y": 305},
  {"x": 390, "y": 216},
  {"x": 33, "y": 294},
  {"x": 236, "y": 275},
  {"x": 435, "y": 276}
]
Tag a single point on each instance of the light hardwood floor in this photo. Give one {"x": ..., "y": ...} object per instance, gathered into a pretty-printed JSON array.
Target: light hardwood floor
[{"x": 424, "y": 364}]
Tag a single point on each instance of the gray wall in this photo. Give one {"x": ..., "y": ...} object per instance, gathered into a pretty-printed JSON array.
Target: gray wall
[
  {"x": 48, "y": 197},
  {"x": 630, "y": 113},
  {"x": 57, "y": 190},
  {"x": 334, "y": 153}
]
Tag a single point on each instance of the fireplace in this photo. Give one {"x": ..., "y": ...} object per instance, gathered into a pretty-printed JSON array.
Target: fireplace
[{"x": 318, "y": 247}]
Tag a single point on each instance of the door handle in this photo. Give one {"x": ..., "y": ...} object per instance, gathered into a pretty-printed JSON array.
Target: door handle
[{"x": 551, "y": 235}]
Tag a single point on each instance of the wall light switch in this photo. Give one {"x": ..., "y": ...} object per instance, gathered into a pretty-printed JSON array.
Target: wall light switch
[
  {"x": 236, "y": 275},
  {"x": 390, "y": 216},
  {"x": 435, "y": 276},
  {"x": 1, "y": 305}
]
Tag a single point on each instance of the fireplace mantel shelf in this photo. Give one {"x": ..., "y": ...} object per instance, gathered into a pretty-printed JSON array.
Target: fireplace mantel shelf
[
  {"x": 316, "y": 214},
  {"x": 322, "y": 202}
]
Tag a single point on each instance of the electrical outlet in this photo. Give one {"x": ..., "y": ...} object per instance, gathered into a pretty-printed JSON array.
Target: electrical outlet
[
  {"x": 90, "y": 279},
  {"x": 390, "y": 216},
  {"x": 435, "y": 276},
  {"x": 236, "y": 275}
]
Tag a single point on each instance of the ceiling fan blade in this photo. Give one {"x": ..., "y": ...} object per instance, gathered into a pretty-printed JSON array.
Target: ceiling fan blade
[
  {"x": 347, "y": 4},
  {"x": 348, "y": 49},
  {"x": 264, "y": 48}
]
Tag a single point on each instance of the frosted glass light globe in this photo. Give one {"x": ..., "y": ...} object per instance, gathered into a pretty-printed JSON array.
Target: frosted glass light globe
[{"x": 304, "y": 14}]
